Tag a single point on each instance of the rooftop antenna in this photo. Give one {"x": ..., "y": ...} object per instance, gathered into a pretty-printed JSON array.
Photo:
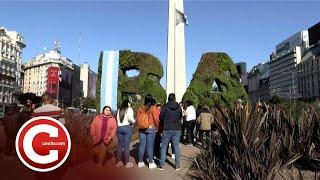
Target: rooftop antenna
[{"x": 57, "y": 46}]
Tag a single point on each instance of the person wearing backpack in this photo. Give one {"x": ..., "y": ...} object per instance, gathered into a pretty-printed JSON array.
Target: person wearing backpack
[
  {"x": 148, "y": 123},
  {"x": 125, "y": 118},
  {"x": 170, "y": 120}
]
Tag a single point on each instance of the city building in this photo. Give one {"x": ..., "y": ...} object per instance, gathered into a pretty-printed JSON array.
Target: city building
[
  {"x": 309, "y": 68},
  {"x": 258, "y": 82},
  {"x": 242, "y": 71},
  {"x": 309, "y": 75},
  {"x": 11, "y": 47},
  {"x": 77, "y": 87},
  {"x": 283, "y": 65},
  {"x": 89, "y": 79},
  {"x": 50, "y": 72}
]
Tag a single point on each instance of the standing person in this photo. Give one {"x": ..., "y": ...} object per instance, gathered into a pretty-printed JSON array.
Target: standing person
[
  {"x": 157, "y": 140},
  {"x": 191, "y": 121},
  {"x": 48, "y": 109},
  {"x": 11, "y": 124},
  {"x": 125, "y": 118},
  {"x": 28, "y": 107},
  {"x": 205, "y": 120},
  {"x": 184, "y": 123},
  {"x": 170, "y": 118},
  {"x": 197, "y": 129},
  {"x": 103, "y": 129},
  {"x": 148, "y": 123}
]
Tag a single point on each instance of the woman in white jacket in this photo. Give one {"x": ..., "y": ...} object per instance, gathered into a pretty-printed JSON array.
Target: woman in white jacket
[
  {"x": 191, "y": 122},
  {"x": 125, "y": 118}
]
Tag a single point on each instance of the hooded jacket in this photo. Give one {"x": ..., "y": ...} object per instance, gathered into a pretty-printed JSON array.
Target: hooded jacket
[{"x": 170, "y": 116}]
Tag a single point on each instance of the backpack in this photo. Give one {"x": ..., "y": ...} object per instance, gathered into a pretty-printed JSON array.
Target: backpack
[{"x": 143, "y": 121}]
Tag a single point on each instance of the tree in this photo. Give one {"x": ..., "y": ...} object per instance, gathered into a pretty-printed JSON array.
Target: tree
[
  {"x": 98, "y": 83},
  {"x": 89, "y": 102}
]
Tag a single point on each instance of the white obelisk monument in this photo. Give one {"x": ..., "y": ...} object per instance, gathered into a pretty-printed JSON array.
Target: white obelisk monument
[{"x": 176, "y": 67}]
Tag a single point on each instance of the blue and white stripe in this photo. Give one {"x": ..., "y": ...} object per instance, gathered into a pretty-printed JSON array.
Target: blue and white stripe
[{"x": 109, "y": 79}]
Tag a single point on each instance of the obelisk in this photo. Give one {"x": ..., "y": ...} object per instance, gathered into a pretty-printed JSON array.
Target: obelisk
[{"x": 176, "y": 67}]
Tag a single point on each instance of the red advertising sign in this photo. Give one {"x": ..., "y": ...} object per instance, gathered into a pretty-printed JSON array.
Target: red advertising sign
[{"x": 53, "y": 80}]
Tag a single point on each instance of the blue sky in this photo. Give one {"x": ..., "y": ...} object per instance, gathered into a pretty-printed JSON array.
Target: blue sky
[{"x": 247, "y": 31}]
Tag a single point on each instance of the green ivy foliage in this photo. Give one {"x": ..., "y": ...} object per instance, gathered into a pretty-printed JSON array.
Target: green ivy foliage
[
  {"x": 148, "y": 80},
  {"x": 220, "y": 68}
]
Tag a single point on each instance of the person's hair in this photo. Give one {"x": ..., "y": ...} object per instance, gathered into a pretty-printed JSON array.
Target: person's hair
[
  {"x": 148, "y": 101},
  {"x": 106, "y": 108},
  {"x": 189, "y": 103},
  {"x": 171, "y": 97},
  {"x": 206, "y": 110},
  {"x": 46, "y": 97},
  {"x": 158, "y": 105},
  {"x": 153, "y": 102},
  {"x": 122, "y": 110}
]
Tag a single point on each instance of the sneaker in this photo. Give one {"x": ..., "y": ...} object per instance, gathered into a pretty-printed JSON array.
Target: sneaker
[
  {"x": 173, "y": 156},
  {"x": 189, "y": 145},
  {"x": 161, "y": 168},
  {"x": 141, "y": 164},
  {"x": 119, "y": 164},
  {"x": 129, "y": 165},
  {"x": 177, "y": 168},
  {"x": 152, "y": 165}
]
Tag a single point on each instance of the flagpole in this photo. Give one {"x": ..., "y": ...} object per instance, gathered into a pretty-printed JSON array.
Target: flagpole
[{"x": 58, "y": 87}]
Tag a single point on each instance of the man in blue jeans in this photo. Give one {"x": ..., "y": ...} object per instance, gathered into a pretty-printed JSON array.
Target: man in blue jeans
[{"x": 170, "y": 123}]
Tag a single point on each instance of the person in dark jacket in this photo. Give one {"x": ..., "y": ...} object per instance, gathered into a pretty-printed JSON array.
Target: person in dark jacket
[
  {"x": 170, "y": 120},
  {"x": 11, "y": 124}
]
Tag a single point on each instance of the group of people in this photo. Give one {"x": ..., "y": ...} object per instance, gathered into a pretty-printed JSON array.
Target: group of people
[
  {"x": 16, "y": 116},
  {"x": 158, "y": 126}
]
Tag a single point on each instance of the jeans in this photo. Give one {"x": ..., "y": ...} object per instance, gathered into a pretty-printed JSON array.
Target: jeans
[
  {"x": 146, "y": 138},
  {"x": 157, "y": 142},
  {"x": 168, "y": 135},
  {"x": 124, "y": 134},
  {"x": 190, "y": 128}
]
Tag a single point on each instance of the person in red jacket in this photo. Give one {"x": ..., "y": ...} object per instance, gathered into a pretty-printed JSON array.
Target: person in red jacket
[{"x": 103, "y": 129}]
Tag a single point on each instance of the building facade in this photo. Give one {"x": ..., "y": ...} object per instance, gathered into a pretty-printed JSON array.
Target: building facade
[
  {"x": 89, "y": 79},
  {"x": 283, "y": 65},
  {"x": 309, "y": 74},
  {"x": 11, "y": 47},
  {"x": 77, "y": 86},
  {"x": 258, "y": 82},
  {"x": 49, "y": 72},
  {"x": 242, "y": 71}
]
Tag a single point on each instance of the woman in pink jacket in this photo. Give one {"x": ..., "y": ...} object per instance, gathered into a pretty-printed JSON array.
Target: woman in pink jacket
[{"x": 103, "y": 129}]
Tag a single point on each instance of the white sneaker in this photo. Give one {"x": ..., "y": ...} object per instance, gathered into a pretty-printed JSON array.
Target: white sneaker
[
  {"x": 173, "y": 156},
  {"x": 152, "y": 165},
  {"x": 141, "y": 164}
]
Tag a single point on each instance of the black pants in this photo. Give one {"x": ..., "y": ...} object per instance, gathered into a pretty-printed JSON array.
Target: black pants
[
  {"x": 190, "y": 134},
  {"x": 157, "y": 141},
  {"x": 183, "y": 131},
  {"x": 205, "y": 141}
]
